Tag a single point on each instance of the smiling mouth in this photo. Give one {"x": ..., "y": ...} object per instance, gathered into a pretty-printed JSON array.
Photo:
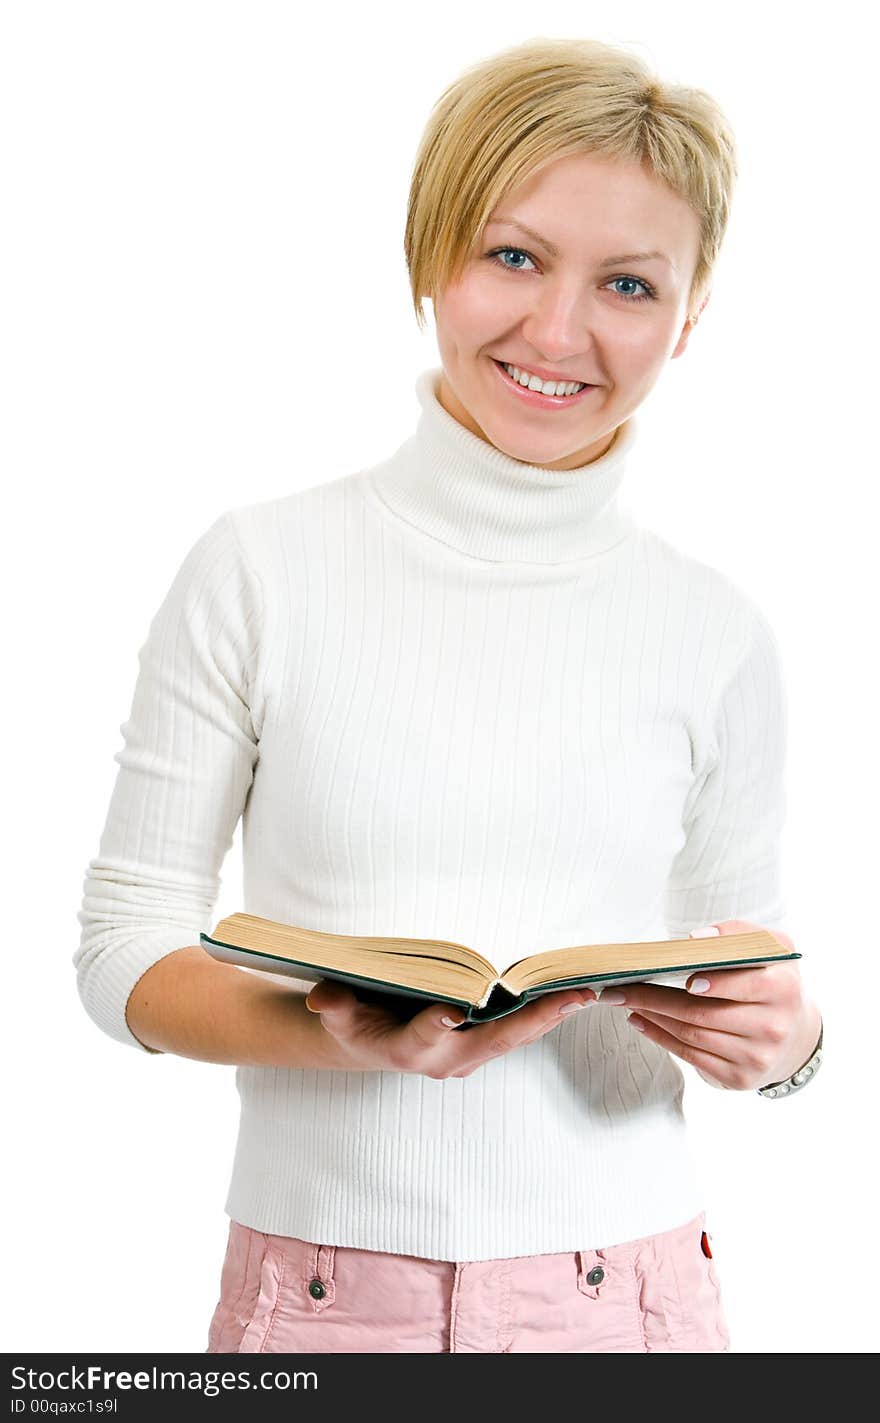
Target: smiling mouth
[{"x": 537, "y": 398}]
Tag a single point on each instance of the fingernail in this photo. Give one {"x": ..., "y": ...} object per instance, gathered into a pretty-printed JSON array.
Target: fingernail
[
  {"x": 570, "y": 1008},
  {"x": 451, "y": 1022},
  {"x": 612, "y": 995},
  {"x": 634, "y": 1022},
  {"x": 704, "y": 933},
  {"x": 699, "y": 985}
]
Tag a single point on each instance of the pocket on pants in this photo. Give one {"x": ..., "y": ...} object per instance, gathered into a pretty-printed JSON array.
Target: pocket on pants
[
  {"x": 270, "y": 1284},
  {"x": 239, "y": 1288},
  {"x": 679, "y": 1294}
]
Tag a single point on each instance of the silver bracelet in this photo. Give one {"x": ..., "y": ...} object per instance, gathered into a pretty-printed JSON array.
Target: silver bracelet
[{"x": 798, "y": 1079}]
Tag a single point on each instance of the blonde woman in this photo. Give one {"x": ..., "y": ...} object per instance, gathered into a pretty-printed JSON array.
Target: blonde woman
[{"x": 463, "y": 694}]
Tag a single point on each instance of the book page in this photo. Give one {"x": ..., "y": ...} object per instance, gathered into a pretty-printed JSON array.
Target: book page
[{"x": 641, "y": 958}]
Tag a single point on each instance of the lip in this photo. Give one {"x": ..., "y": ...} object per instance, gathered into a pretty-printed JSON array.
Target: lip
[
  {"x": 541, "y": 371},
  {"x": 534, "y": 397}
]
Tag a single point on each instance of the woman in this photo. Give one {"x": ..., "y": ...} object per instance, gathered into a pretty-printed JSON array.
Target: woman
[{"x": 463, "y": 695}]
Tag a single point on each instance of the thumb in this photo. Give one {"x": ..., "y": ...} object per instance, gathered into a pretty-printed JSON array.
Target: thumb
[
  {"x": 325, "y": 996},
  {"x": 741, "y": 926}
]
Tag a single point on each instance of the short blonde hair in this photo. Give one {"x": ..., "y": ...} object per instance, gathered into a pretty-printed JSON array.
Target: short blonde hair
[{"x": 511, "y": 114}]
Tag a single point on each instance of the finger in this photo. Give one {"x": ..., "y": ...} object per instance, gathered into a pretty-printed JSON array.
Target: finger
[
  {"x": 501, "y": 1035},
  {"x": 742, "y": 1020},
  {"x": 343, "y": 1013},
  {"x": 327, "y": 994},
  {"x": 748, "y": 1020},
  {"x": 747, "y": 1060},
  {"x": 330, "y": 993},
  {"x": 334, "y": 1004},
  {"x": 745, "y": 926},
  {"x": 772, "y": 984},
  {"x": 431, "y": 1026},
  {"x": 485, "y": 1041},
  {"x": 742, "y": 985},
  {"x": 527, "y": 1024},
  {"x": 729, "y": 1072},
  {"x": 755, "y": 1048},
  {"x": 724, "y": 1042},
  {"x": 671, "y": 1002}
]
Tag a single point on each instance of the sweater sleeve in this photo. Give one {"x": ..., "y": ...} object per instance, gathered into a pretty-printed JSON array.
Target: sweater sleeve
[
  {"x": 186, "y": 767},
  {"x": 729, "y": 866}
]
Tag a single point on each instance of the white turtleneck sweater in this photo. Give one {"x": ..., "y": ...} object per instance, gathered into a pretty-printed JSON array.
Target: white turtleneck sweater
[{"x": 454, "y": 696}]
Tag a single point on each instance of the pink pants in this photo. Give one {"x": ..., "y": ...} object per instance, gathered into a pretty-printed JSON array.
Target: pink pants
[{"x": 279, "y": 1294}]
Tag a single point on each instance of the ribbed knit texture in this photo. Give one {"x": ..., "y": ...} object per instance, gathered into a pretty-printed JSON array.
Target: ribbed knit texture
[{"x": 454, "y": 696}]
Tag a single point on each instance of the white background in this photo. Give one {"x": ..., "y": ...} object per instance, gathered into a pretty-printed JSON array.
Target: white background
[{"x": 204, "y": 208}]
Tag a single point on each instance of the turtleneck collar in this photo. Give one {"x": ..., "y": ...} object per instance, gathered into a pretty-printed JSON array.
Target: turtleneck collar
[{"x": 467, "y": 493}]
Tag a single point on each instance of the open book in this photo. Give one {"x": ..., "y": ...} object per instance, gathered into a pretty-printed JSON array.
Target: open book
[{"x": 402, "y": 974}]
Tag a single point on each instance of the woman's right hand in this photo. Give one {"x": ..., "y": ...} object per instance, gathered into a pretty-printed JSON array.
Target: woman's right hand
[{"x": 372, "y": 1039}]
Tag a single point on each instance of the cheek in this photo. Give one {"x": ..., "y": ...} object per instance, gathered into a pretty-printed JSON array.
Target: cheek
[
  {"x": 644, "y": 346},
  {"x": 478, "y": 308},
  {"x": 639, "y": 359}
]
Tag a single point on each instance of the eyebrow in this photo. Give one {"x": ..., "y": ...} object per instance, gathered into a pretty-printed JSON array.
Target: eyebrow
[{"x": 554, "y": 251}]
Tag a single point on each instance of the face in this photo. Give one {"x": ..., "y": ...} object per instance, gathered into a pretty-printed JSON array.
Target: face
[{"x": 575, "y": 313}]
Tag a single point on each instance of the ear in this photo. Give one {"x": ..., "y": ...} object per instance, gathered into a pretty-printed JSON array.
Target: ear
[{"x": 686, "y": 330}]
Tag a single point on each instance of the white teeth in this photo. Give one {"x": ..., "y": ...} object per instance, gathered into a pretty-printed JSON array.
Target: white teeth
[{"x": 546, "y": 387}]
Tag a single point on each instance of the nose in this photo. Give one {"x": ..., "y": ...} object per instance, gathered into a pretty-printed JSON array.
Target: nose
[{"x": 560, "y": 325}]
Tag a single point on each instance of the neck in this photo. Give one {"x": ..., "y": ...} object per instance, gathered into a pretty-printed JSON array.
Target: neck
[{"x": 468, "y": 494}]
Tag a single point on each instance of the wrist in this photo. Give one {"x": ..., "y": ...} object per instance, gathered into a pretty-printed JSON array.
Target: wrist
[
  {"x": 800, "y": 1076},
  {"x": 314, "y": 1046},
  {"x": 800, "y": 1048}
]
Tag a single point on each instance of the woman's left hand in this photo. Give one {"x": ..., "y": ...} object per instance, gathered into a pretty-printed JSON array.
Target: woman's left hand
[{"x": 745, "y": 1028}]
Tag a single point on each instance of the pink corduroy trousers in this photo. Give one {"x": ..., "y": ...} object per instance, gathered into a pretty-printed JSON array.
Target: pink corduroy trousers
[{"x": 279, "y": 1294}]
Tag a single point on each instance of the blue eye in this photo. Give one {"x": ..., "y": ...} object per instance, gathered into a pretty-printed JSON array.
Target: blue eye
[
  {"x": 648, "y": 292},
  {"x": 518, "y": 250}
]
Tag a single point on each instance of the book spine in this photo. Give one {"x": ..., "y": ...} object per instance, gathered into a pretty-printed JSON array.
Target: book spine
[{"x": 501, "y": 1002}]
